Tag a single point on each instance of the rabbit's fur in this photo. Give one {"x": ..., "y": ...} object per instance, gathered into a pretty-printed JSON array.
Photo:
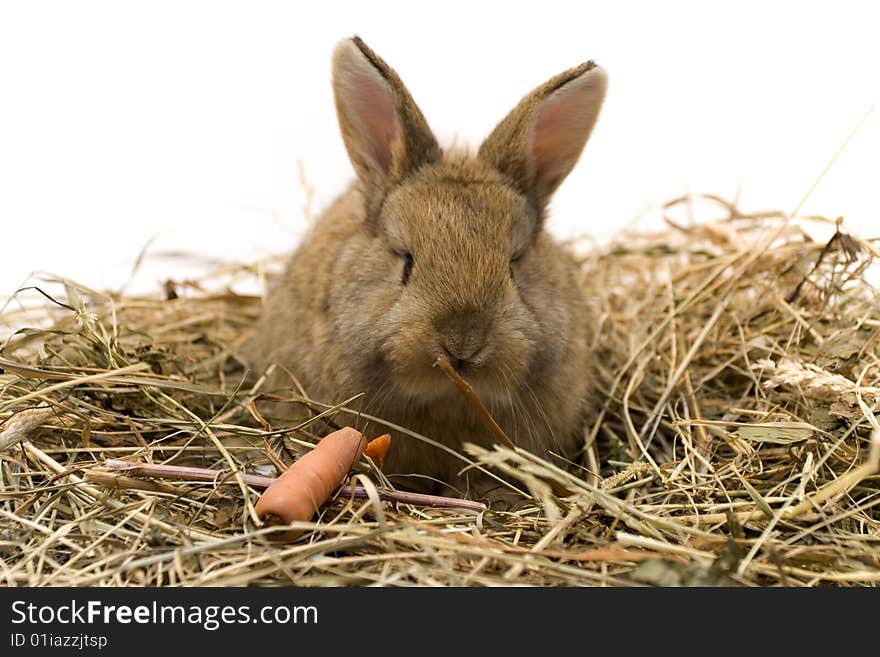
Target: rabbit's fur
[{"x": 434, "y": 253}]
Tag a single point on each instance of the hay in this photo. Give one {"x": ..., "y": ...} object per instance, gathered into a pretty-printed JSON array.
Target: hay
[{"x": 738, "y": 371}]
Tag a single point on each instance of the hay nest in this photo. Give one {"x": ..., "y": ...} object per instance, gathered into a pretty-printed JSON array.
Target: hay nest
[{"x": 739, "y": 377}]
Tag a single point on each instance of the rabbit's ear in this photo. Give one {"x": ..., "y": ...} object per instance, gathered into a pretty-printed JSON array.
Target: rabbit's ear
[
  {"x": 386, "y": 136},
  {"x": 539, "y": 142}
]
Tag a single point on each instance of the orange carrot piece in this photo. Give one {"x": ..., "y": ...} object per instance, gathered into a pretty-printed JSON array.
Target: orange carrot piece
[
  {"x": 377, "y": 449},
  {"x": 304, "y": 487}
]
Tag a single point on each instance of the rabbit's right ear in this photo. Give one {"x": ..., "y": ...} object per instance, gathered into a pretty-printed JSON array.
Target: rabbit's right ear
[
  {"x": 539, "y": 142},
  {"x": 385, "y": 133}
]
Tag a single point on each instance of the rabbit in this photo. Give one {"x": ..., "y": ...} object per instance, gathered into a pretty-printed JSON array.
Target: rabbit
[{"x": 434, "y": 253}]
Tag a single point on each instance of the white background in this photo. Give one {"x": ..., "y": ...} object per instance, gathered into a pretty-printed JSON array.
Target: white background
[{"x": 121, "y": 121}]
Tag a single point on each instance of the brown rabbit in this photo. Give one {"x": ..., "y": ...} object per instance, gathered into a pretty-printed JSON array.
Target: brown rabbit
[{"x": 434, "y": 253}]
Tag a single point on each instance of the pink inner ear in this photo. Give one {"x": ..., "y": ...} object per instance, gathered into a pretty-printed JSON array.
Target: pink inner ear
[
  {"x": 561, "y": 129},
  {"x": 376, "y": 117},
  {"x": 558, "y": 135}
]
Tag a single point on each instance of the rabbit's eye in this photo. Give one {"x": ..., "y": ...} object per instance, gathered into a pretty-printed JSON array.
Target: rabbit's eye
[
  {"x": 515, "y": 258},
  {"x": 407, "y": 267}
]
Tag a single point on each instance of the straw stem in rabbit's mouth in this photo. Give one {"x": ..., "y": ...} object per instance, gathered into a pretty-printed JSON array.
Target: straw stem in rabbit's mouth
[
  {"x": 428, "y": 384},
  {"x": 495, "y": 363}
]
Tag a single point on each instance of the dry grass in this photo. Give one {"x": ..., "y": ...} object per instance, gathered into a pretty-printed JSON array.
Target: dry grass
[{"x": 739, "y": 379}]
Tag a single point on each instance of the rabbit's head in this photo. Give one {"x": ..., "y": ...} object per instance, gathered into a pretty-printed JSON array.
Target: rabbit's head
[{"x": 453, "y": 259}]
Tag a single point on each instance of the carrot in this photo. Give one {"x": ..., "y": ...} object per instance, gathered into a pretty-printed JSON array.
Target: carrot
[
  {"x": 304, "y": 487},
  {"x": 377, "y": 449}
]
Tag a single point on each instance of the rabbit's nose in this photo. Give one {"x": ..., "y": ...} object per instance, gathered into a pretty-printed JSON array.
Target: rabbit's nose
[
  {"x": 462, "y": 354},
  {"x": 464, "y": 350},
  {"x": 463, "y": 337}
]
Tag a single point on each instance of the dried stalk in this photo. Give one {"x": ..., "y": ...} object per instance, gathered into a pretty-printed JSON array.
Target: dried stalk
[
  {"x": 482, "y": 412},
  {"x": 217, "y": 477}
]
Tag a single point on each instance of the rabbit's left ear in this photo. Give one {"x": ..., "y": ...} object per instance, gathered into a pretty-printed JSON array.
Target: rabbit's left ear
[
  {"x": 384, "y": 131},
  {"x": 537, "y": 145}
]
